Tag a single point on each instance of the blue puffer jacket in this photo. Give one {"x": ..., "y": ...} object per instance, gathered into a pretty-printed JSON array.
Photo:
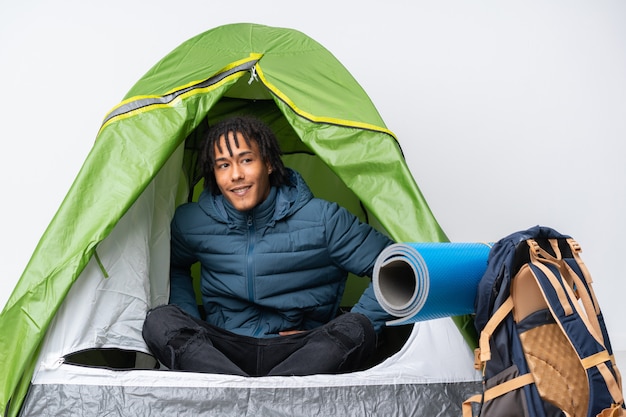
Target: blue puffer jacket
[{"x": 281, "y": 266}]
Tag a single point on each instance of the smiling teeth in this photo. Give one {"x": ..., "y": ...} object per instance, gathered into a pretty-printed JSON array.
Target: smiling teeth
[{"x": 240, "y": 190}]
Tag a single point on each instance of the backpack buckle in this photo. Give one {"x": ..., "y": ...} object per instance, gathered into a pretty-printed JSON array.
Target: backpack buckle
[
  {"x": 533, "y": 246},
  {"x": 574, "y": 245},
  {"x": 478, "y": 363}
]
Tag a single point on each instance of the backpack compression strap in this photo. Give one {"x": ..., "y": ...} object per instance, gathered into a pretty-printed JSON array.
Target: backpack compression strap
[
  {"x": 496, "y": 391},
  {"x": 483, "y": 354}
]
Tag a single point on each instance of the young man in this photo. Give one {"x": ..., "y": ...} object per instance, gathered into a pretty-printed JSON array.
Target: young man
[{"x": 274, "y": 263}]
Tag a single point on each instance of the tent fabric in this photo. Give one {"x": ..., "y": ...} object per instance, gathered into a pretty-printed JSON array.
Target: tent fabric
[{"x": 102, "y": 261}]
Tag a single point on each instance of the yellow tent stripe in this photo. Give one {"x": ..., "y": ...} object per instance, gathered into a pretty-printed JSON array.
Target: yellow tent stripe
[
  {"x": 330, "y": 120},
  {"x": 252, "y": 57},
  {"x": 175, "y": 101}
]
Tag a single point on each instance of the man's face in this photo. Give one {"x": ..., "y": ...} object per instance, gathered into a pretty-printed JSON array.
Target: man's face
[{"x": 243, "y": 177}]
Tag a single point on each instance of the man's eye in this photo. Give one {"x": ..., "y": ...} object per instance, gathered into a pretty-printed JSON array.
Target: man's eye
[{"x": 222, "y": 166}]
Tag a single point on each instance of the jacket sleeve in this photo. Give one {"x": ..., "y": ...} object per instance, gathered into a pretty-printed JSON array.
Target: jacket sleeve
[
  {"x": 355, "y": 246},
  {"x": 369, "y": 306},
  {"x": 181, "y": 283}
]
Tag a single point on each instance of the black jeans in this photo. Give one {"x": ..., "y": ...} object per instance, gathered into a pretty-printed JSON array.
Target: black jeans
[{"x": 182, "y": 342}]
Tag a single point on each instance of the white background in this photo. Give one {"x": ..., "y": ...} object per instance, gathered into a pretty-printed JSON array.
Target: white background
[{"x": 510, "y": 113}]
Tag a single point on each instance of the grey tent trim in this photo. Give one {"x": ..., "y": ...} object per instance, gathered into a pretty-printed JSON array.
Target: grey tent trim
[
  {"x": 436, "y": 399},
  {"x": 166, "y": 99}
]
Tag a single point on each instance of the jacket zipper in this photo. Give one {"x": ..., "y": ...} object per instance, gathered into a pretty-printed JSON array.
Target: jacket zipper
[
  {"x": 250, "y": 269},
  {"x": 250, "y": 259}
]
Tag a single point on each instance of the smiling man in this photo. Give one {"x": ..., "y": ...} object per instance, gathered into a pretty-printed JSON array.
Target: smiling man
[
  {"x": 242, "y": 175},
  {"x": 274, "y": 262}
]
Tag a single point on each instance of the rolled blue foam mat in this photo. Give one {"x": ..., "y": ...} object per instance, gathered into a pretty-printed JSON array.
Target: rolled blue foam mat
[{"x": 424, "y": 281}]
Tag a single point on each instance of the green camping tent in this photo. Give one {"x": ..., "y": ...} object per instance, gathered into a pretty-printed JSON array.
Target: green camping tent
[{"x": 328, "y": 128}]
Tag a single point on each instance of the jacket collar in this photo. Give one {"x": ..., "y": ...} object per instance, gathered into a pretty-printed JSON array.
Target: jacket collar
[
  {"x": 281, "y": 202},
  {"x": 260, "y": 215}
]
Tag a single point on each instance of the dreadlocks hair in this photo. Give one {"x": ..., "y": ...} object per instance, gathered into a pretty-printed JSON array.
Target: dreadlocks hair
[{"x": 251, "y": 129}]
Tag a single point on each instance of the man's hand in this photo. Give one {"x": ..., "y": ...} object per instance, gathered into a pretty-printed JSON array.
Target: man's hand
[{"x": 290, "y": 332}]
